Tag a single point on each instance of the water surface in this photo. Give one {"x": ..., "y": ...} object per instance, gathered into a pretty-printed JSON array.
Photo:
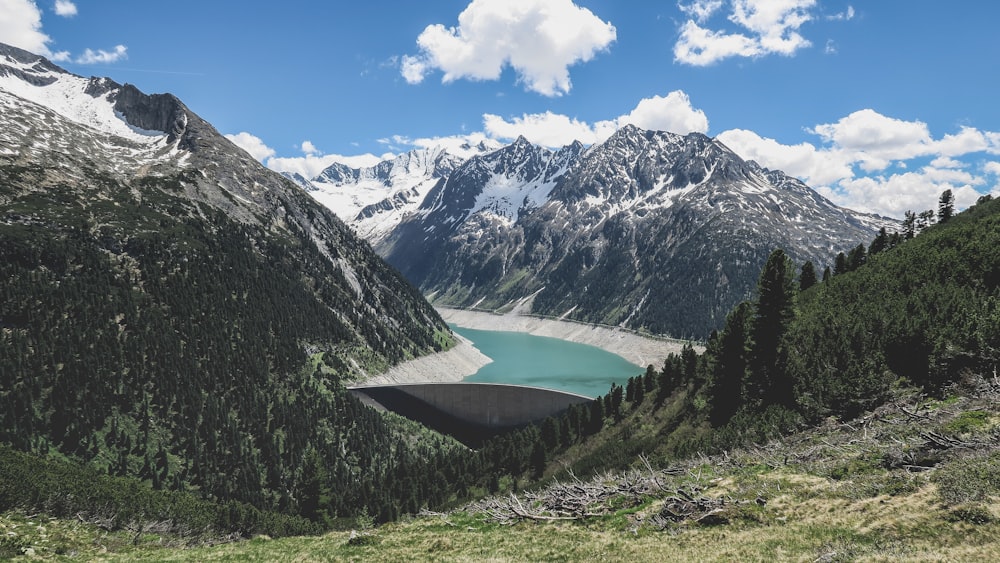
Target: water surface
[{"x": 540, "y": 361}]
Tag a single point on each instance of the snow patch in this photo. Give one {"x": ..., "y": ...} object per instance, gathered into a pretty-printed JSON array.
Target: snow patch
[{"x": 67, "y": 97}]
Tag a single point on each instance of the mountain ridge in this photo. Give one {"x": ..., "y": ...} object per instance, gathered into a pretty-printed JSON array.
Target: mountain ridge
[{"x": 656, "y": 212}]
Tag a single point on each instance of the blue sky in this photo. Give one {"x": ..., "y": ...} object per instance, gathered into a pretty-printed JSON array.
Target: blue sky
[{"x": 880, "y": 105}]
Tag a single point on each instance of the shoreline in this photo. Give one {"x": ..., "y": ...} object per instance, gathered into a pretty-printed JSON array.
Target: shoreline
[
  {"x": 639, "y": 350},
  {"x": 465, "y": 359},
  {"x": 443, "y": 367}
]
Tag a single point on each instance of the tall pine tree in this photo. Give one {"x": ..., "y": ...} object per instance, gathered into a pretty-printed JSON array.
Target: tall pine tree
[
  {"x": 771, "y": 319},
  {"x": 726, "y": 388},
  {"x": 946, "y": 206},
  {"x": 807, "y": 276}
]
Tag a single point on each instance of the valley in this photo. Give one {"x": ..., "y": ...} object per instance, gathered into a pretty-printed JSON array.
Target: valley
[{"x": 742, "y": 368}]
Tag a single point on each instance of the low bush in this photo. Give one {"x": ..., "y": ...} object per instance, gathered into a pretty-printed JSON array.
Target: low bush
[{"x": 974, "y": 479}]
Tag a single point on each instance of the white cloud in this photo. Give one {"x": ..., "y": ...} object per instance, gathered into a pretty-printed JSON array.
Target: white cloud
[
  {"x": 698, "y": 46},
  {"x": 65, "y": 8},
  {"x": 992, "y": 168},
  {"x": 805, "y": 161},
  {"x": 252, "y": 144},
  {"x": 672, "y": 112},
  {"x": 967, "y": 140},
  {"x": 844, "y": 168},
  {"x": 911, "y": 191},
  {"x": 763, "y": 27},
  {"x": 310, "y": 166},
  {"x": 869, "y": 131},
  {"x": 101, "y": 56},
  {"x": 947, "y": 162},
  {"x": 549, "y": 129},
  {"x": 309, "y": 149},
  {"x": 847, "y": 14},
  {"x": 701, "y": 10},
  {"x": 460, "y": 145},
  {"x": 413, "y": 69},
  {"x": 539, "y": 39},
  {"x": 21, "y": 26}
]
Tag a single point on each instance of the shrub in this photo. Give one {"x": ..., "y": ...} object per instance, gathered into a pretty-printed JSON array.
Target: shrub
[
  {"x": 968, "y": 421},
  {"x": 968, "y": 480}
]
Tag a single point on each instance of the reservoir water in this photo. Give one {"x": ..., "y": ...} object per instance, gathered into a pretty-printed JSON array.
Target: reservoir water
[{"x": 524, "y": 359}]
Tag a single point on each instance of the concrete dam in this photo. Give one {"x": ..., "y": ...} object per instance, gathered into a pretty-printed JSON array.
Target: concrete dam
[{"x": 470, "y": 412}]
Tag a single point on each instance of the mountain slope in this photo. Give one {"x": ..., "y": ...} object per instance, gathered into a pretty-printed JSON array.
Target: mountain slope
[
  {"x": 648, "y": 230},
  {"x": 375, "y": 199},
  {"x": 173, "y": 310}
]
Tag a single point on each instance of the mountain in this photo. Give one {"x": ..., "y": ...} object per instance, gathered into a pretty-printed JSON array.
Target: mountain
[
  {"x": 174, "y": 311},
  {"x": 892, "y": 420},
  {"x": 375, "y": 199},
  {"x": 648, "y": 230}
]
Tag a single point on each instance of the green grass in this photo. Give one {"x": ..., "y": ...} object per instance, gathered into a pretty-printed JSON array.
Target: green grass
[{"x": 831, "y": 493}]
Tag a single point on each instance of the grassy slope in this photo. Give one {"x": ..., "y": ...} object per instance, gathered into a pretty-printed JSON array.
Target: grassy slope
[{"x": 843, "y": 491}]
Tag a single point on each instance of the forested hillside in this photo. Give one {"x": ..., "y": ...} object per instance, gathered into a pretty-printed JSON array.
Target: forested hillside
[
  {"x": 917, "y": 309},
  {"x": 155, "y": 337}
]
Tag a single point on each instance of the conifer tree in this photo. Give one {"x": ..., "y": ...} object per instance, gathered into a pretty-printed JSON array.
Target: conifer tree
[
  {"x": 726, "y": 389},
  {"x": 840, "y": 264},
  {"x": 771, "y": 319},
  {"x": 946, "y": 206},
  {"x": 909, "y": 225},
  {"x": 925, "y": 219},
  {"x": 857, "y": 257},
  {"x": 880, "y": 243},
  {"x": 807, "y": 276}
]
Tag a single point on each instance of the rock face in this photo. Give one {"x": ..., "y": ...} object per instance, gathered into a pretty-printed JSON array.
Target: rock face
[
  {"x": 647, "y": 230},
  {"x": 375, "y": 199}
]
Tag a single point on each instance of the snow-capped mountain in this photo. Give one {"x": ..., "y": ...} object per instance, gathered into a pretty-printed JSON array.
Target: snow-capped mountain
[
  {"x": 649, "y": 230},
  {"x": 122, "y": 163},
  {"x": 374, "y": 199}
]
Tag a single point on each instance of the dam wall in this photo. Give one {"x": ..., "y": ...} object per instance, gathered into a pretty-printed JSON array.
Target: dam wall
[{"x": 468, "y": 408}]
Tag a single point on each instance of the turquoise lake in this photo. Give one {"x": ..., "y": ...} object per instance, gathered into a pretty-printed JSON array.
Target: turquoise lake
[{"x": 538, "y": 361}]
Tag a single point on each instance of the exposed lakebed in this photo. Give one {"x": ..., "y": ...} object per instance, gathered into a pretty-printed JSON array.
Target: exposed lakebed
[{"x": 525, "y": 359}]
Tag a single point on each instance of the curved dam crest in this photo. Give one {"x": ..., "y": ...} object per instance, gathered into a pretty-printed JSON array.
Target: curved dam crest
[
  {"x": 431, "y": 389},
  {"x": 471, "y": 412}
]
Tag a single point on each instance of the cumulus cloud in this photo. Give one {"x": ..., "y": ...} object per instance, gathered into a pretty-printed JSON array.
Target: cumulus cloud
[
  {"x": 253, "y": 145},
  {"x": 992, "y": 168},
  {"x": 895, "y": 194},
  {"x": 701, "y": 10},
  {"x": 65, "y": 8},
  {"x": 310, "y": 165},
  {"x": 549, "y": 129},
  {"x": 101, "y": 56},
  {"x": 539, "y": 39},
  {"x": 762, "y": 27},
  {"x": 804, "y": 160},
  {"x": 21, "y": 26},
  {"x": 672, "y": 112},
  {"x": 849, "y": 164},
  {"x": 309, "y": 149}
]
